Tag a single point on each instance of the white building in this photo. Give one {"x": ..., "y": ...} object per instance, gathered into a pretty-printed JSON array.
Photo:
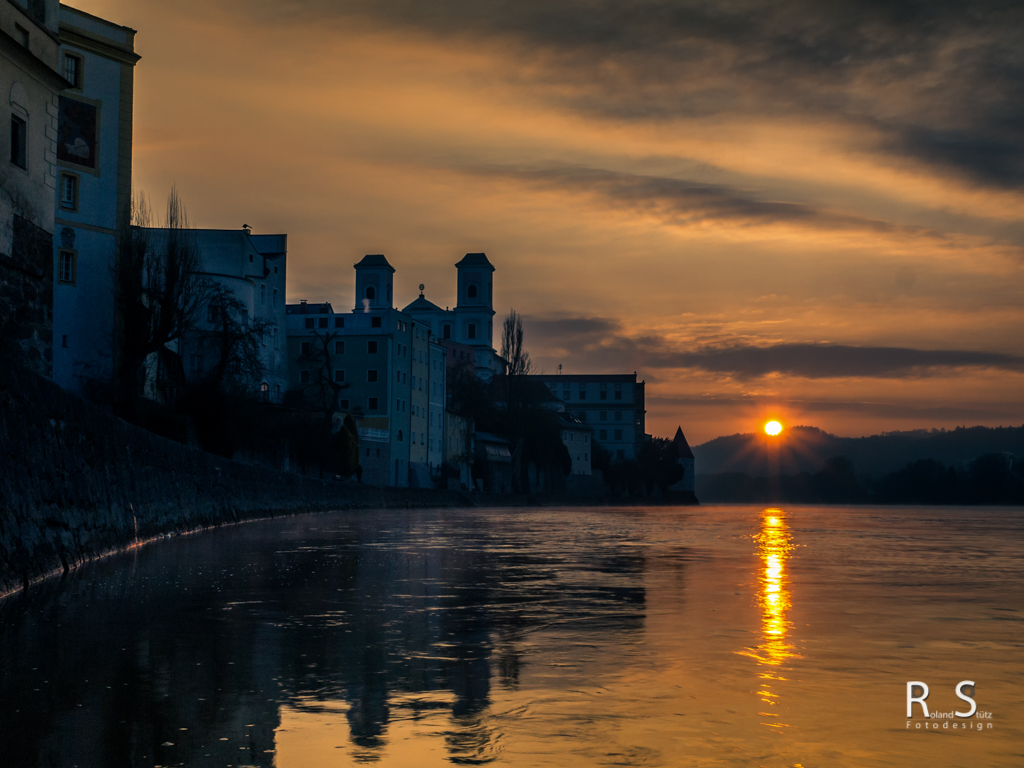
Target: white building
[
  {"x": 471, "y": 323},
  {"x": 94, "y": 186},
  {"x": 30, "y": 82},
  {"x": 254, "y": 269}
]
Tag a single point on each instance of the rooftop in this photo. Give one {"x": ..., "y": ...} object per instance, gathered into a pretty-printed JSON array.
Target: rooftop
[
  {"x": 586, "y": 378},
  {"x": 475, "y": 260},
  {"x": 682, "y": 447},
  {"x": 422, "y": 305},
  {"x": 305, "y": 308},
  {"x": 374, "y": 260}
]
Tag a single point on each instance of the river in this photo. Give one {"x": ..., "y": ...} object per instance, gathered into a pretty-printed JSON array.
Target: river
[{"x": 699, "y": 636}]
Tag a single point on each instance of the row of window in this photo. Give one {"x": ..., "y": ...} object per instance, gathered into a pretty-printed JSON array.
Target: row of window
[
  {"x": 603, "y": 434},
  {"x": 571, "y": 437}
]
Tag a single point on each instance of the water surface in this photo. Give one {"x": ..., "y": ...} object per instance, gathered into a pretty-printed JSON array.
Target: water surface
[{"x": 714, "y": 636}]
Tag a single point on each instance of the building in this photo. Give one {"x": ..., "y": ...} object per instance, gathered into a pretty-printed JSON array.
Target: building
[
  {"x": 613, "y": 405},
  {"x": 471, "y": 323},
  {"x": 92, "y": 195},
  {"x": 31, "y": 81},
  {"x": 458, "y": 451},
  {"x": 576, "y": 437},
  {"x": 684, "y": 457},
  {"x": 246, "y": 269},
  {"x": 388, "y": 371}
]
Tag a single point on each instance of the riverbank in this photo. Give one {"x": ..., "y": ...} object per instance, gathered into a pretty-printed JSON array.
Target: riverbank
[{"x": 77, "y": 483}]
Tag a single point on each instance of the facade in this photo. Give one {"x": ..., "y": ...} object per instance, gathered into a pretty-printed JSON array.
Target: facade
[
  {"x": 613, "y": 405},
  {"x": 471, "y": 323},
  {"x": 392, "y": 374},
  {"x": 458, "y": 450},
  {"x": 93, "y": 191},
  {"x": 31, "y": 83},
  {"x": 684, "y": 456},
  {"x": 576, "y": 436},
  {"x": 253, "y": 268}
]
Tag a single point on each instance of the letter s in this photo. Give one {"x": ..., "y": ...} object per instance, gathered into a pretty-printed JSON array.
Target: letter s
[
  {"x": 961, "y": 695},
  {"x": 911, "y": 698}
]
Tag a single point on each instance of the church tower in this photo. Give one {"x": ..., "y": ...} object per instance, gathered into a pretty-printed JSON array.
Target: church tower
[
  {"x": 374, "y": 283},
  {"x": 474, "y": 312}
]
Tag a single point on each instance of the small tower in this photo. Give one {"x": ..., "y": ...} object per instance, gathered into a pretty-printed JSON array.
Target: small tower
[
  {"x": 374, "y": 283},
  {"x": 474, "y": 312},
  {"x": 684, "y": 457}
]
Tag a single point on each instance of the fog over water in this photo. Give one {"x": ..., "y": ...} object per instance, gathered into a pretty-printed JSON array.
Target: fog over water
[{"x": 693, "y": 636}]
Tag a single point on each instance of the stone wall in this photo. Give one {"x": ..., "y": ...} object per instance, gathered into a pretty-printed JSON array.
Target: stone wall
[
  {"x": 26, "y": 297},
  {"x": 77, "y": 483}
]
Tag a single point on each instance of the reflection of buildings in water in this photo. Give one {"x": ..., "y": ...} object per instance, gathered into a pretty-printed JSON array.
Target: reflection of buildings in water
[{"x": 774, "y": 544}]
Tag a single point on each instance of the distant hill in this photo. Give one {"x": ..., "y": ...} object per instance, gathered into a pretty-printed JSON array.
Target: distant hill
[{"x": 806, "y": 449}]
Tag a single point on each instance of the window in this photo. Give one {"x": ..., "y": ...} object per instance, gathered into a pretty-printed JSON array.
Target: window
[
  {"x": 586, "y": 439},
  {"x": 618, "y": 394},
  {"x": 69, "y": 191},
  {"x": 339, "y": 347},
  {"x": 275, "y": 293},
  {"x": 603, "y": 434},
  {"x": 371, "y": 375},
  {"x": 212, "y": 313},
  {"x": 67, "y": 267},
  {"x": 604, "y": 395},
  {"x": 64, "y": 341},
  {"x": 303, "y": 377},
  {"x": 273, "y": 335},
  {"x": 583, "y": 392},
  {"x": 304, "y": 348},
  {"x": 310, "y": 324},
  {"x": 277, "y": 393},
  {"x": 618, "y": 434},
  {"x": 339, "y": 322},
  {"x": 618, "y": 415},
  {"x": 19, "y": 142},
  {"x": 263, "y": 294},
  {"x": 321, "y": 322},
  {"x": 339, "y": 376},
  {"x": 264, "y": 392},
  {"x": 275, "y": 270},
  {"x": 471, "y": 292},
  {"x": 604, "y": 415},
  {"x": 399, "y": 435},
  {"x": 446, "y": 332},
  {"x": 263, "y": 341},
  {"x": 375, "y": 321},
  {"x": 250, "y": 258},
  {"x": 371, "y": 404},
  {"x": 371, "y": 347},
  {"x": 471, "y": 331},
  {"x": 371, "y": 293},
  {"x": 73, "y": 70}
]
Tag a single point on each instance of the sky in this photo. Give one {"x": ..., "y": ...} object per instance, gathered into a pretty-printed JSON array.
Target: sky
[{"x": 797, "y": 210}]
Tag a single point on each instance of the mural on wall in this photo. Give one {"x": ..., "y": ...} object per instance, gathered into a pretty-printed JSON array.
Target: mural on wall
[{"x": 77, "y": 129}]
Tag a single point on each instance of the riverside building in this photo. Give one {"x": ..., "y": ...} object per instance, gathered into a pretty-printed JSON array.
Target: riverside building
[
  {"x": 93, "y": 191},
  {"x": 612, "y": 405},
  {"x": 31, "y": 81}
]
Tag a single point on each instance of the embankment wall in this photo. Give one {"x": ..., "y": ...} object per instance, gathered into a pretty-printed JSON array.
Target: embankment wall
[{"x": 77, "y": 483}]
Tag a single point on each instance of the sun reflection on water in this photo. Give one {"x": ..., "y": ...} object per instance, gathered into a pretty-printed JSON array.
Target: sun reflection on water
[{"x": 775, "y": 544}]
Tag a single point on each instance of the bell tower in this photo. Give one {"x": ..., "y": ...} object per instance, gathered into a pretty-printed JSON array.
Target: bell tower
[
  {"x": 374, "y": 279},
  {"x": 474, "y": 312}
]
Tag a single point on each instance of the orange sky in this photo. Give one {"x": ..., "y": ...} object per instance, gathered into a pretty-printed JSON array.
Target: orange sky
[{"x": 764, "y": 209}]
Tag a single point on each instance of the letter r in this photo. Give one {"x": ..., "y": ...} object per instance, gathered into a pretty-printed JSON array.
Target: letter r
[{"x": 911, "y": 698}]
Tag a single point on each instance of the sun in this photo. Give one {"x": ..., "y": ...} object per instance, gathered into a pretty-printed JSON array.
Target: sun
[{"x": 773, "y": 428}]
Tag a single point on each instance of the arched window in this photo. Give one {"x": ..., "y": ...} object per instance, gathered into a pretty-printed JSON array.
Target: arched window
[
  {"x": 371, "y": 294},
  {"x": 264, "y": 392},
  {"x": 447, "y": 332},
  {"x": 471, "y": 292},
  {"x": 399, "y": 435},
  {"x": 471, "y": 332}
]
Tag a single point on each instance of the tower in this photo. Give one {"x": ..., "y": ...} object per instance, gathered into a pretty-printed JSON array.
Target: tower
[
  {"x": 374, "y": 283},
  {"x": 474, "y": 312}
]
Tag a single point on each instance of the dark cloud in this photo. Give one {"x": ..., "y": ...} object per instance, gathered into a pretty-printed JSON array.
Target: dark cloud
[
  {"x": 681, "y": 202},
  {"x": 598, "y": 345},
  {"x": 827, "y": 361},
  {"x": 887, "y": 410},
  {"x": 941, "y": 80}
]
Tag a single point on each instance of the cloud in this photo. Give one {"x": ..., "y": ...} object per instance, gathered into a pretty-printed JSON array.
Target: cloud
[
  {"x": 600, "y": 344},
  {"x": 939, "y": 82}
]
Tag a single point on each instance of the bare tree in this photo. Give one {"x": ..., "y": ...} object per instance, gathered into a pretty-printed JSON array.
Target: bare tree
[
  {"x": 159, "y": 292},
  {"x": 513, "y": 352},
  {"x": 323, "y": 392},
  {"x": 517, "y": 367},
  {"x": 234, "y": 340}
]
